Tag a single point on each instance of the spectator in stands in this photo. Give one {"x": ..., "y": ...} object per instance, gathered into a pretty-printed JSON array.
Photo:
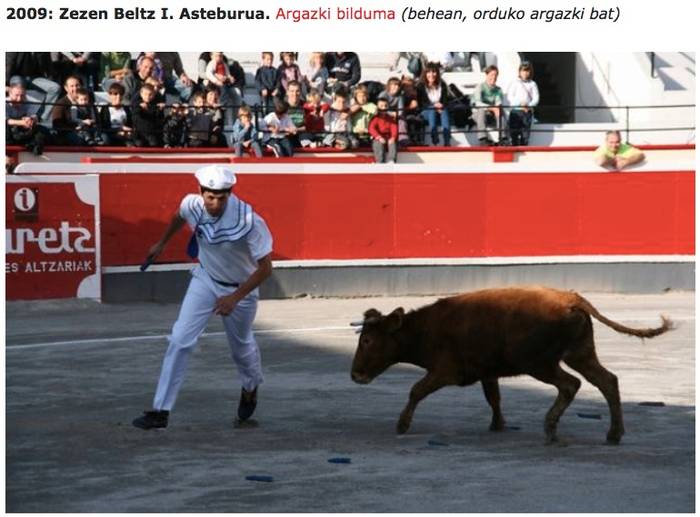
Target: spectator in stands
[
  {"x": 487, "y": 99},
  {"x": 175, "y": 126},
  {"x": 395, "y": 99},
  {"x": 235, "y": 69},
  {"x": 287, "y": 71},
  {"x": 10, "y": 164},
  {"x": 316, "y": 76},
  {"x": 280, "y": 127},
  {"x": 148, "y": 118},
  {"x": 244, "y": 134},
  {"x": 175, "y": 79},
  {"x": 35, "y": 69},
  {"x": 144, "y": 74},
  {"x": 384, "y": 131},
  {"x": 432, "y": 97},
  {"x": 266, "y": 81},
  {"x": 157, "y": 72},
  {"x": 22, "y": 127},
  {"x": 219, "y": 74},
  {"x": 415, "y": 123},
  {"x": 80, "y": 64},
  {"x": 344, "y": 70},
  {"x": 522, "y": 96},
  {"x": 615, "y": 155},
  {"x": 361, "y": 112},
  {"x": 213, "y": 105},
  {"x": 61, "y": 120},
  {"x": 85, "y": 119},
  {"x": 198, "y": 121},
  {"x": 337, "y": 123},
  {"x": 114, "y": 67},
  {"x": 314, "y": 112},
  {"x": 296, "y": 111},
  {"x": 115, "y": 118}
]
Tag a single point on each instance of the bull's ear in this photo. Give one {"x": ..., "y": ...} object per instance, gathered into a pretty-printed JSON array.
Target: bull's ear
[
  {"x": 395, "y": 319},
  {"x": 372, "y": 313}
]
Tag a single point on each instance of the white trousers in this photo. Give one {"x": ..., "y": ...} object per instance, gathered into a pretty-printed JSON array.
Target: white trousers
[{"x": 197, "y": 308}]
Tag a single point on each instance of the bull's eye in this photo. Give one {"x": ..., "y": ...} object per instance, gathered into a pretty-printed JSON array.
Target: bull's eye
[{"x": 364, "y": 342}]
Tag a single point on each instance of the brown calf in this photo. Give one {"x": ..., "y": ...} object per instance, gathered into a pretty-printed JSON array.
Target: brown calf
[{"x": 494, "y": 333}]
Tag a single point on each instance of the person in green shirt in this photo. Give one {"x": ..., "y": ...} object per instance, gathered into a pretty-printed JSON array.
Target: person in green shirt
[
  {"x": 616, "y": 155},
  {"x": 114, "y": 67},
  {"x": 487, "y": 100}
]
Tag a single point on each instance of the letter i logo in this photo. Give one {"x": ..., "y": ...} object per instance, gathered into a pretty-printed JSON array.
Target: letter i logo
[{"x": 26, "y": 204}]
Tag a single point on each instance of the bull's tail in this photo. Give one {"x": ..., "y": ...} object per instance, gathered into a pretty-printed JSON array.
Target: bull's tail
[{"x": 585, "y": 305}]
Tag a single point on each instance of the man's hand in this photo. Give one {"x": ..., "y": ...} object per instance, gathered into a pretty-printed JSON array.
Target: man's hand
[
  {"x": 155, "y": 250},
  {"x": 225, "y": 305}
]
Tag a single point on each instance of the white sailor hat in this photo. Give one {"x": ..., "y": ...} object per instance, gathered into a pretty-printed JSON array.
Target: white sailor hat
[{"x": 216, "y": 177}]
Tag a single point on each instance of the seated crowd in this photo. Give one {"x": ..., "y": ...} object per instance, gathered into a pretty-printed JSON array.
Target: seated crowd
[{"x": 152, "y": 102}]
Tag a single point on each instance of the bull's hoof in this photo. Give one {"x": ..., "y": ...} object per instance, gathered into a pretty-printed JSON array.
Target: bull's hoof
[
  {"x": 613, "y": 439},
  {"x": 551, "y": 438},
  {"x": 497, "y": 425},
  {"x": 402, "y": 426},
  {"x": 614, "y": 436}
]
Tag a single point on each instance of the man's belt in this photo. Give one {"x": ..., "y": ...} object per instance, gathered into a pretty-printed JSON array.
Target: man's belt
[{"x": 225, "y": 284}]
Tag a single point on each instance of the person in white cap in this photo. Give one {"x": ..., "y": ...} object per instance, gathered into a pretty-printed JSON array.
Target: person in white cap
[{"x": 234, "y": 248}]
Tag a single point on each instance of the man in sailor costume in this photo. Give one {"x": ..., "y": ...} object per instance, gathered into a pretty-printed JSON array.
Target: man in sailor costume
[{"x": 234, "y": 248}]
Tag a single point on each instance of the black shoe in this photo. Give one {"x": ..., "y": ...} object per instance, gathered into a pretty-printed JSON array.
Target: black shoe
[
  {"x": 486, "y": 141},
  {"x": 246, "y": 406},
  {"x": 152, "y": 420}
]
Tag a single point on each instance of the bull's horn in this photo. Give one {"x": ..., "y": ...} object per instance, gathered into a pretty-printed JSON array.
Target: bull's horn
[{"x": 356, "y": 323}]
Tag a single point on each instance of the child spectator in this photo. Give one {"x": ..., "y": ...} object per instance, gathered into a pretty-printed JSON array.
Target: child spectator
[
  {"x": 522, "y": 96},
  {"x": 199, "y": 121},
  {"x": 316, "y": 75},
  {"x": 393, "y": 96},
  {"x": 213, "y": 105},
  {"x": 488, "y": 98},
  {"x": 287, "y": 71},
  {"x": 280, "y": 126},
  {"x": 314, "y": 112},
  {"x": 361, "y": 112},
  {"x": 245, "y": 135},
  {"x": 83, "y": 116},
  {"x": 175, "y": 126},
  {"x": 337, "y": 123},
  {"x": 115, "y": 119},
  {"x": 148, "y": 118},
  {"x": 21, "y": 128},
  {"x": 414, "y": 120},
  {"x": 266, "y": 81},
  {"x": 384, "y": 130}
]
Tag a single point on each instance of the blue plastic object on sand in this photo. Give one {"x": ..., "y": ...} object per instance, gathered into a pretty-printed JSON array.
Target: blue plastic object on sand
[
  {"x": 339, "y": 460},
  {"x": 266, "y": 479}
]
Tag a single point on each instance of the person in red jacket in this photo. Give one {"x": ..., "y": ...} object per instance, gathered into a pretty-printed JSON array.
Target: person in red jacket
[{"x": 384, "y": 130}]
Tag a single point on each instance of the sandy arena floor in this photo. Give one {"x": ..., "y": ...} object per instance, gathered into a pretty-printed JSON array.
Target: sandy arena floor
[{"x": 77, "y": 373}]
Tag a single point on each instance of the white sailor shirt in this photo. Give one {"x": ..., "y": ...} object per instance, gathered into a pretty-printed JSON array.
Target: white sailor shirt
[{"x": 230, "y": 244}]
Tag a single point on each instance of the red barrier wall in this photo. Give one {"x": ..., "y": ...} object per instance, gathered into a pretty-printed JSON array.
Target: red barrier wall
[{"x": 362, "y": 216}]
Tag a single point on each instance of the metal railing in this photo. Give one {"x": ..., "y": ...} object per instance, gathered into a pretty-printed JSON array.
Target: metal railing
[{"x": 629, "y": 128}]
